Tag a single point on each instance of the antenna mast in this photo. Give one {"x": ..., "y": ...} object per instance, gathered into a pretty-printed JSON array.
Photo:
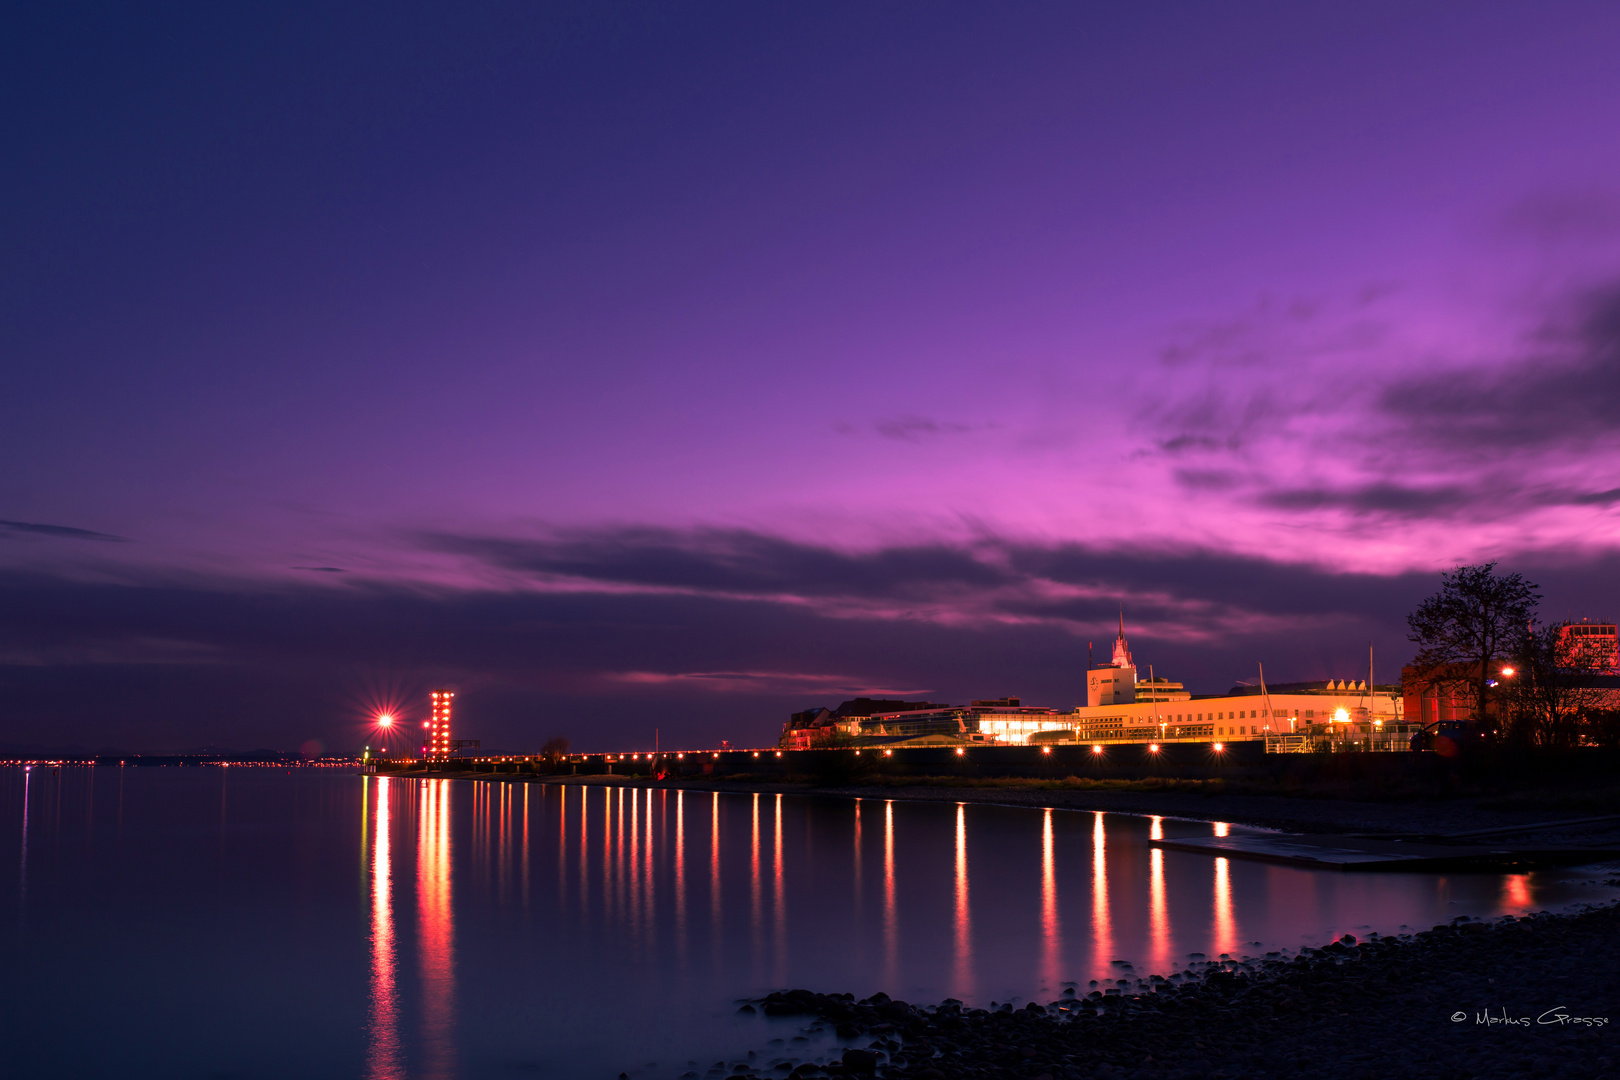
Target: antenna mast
[
  {"x": 1265, "y": 695},
  {"x": 1372, "y": 699}
]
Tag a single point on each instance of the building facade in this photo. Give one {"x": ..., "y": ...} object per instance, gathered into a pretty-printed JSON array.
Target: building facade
[{"x": 438, "y": 724}]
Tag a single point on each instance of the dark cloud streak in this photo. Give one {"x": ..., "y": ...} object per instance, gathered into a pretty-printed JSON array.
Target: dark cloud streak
[{"x": 65, "y": 532}]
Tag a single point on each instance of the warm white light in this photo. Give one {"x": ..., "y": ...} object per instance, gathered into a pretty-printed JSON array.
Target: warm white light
[
  {"x": 960, "y": 751},
  {"x": 1219, "y": 747},
  {"x": 385, "y": 720},
  {"x": 1153, "y": 748},
  {"x": 1340, "y": 716},
  {"x": 1046, "y": 749},
  {"x": 1507, "y": 672},
  {"x": 1096, "y": 749}
]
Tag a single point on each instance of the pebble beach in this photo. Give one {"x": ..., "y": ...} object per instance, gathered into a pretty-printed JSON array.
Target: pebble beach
[{"x": 1519, "y": 997}]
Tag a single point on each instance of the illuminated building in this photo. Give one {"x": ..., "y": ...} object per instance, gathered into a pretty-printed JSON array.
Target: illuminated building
[
  {"x": 1242, "y": 713},
  {"x": 438, "y": 724},
  {"x": 1120, "y": 708},
  {"x": 1115, "y": 682},
  {"x": 1590, "y": 645}
]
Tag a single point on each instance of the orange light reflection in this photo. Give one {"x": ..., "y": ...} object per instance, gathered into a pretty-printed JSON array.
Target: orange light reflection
[
  {"x": 1051, "y": 930},
  {"x": 1101, "y": 928},
  {"x": 383, "y": 1059},
  {"x": 891, "y": 918},
  {"x": 1158, "y": 912},
  {"x": 962, "y": 974},
  {"x": 1225, "y": 921},
  {"x": 436, "y": 932}
]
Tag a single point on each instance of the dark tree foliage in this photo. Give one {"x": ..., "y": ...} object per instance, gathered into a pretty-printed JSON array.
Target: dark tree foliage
[
  {"x": 1553, "y": 701},
  {"x": 1477, "y": 619}
]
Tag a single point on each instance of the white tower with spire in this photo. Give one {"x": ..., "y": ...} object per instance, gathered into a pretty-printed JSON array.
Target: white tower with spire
[
  {"x": 1122, "y": 648},
  {"x": 1114, "y": 684}
]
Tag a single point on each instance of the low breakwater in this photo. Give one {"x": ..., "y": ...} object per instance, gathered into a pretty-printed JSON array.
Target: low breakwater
[{"x": 1526, "y": 997}]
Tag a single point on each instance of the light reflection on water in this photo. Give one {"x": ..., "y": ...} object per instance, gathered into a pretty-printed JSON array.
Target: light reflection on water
[{"x": 584, "y": 929}]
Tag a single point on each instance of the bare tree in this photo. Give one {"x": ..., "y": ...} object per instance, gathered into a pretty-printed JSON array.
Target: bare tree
[
  {"x": 1552, "y": 691},
  {"x": 555, "y": 750},
  {"x": 1476, "y": 620}
]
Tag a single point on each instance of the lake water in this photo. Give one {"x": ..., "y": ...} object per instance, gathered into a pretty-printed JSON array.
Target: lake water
[{"x": 250, "y": 922}]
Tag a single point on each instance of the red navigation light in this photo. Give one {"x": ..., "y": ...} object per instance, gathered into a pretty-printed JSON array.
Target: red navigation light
[{"x": 385, "y": 720}]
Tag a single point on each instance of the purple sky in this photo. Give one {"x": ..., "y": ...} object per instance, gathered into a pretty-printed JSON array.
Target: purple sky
[{"x": 682, "y": 365}]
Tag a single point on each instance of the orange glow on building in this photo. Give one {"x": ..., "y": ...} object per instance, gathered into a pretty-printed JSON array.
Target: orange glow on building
[{"x": 438, "y": 745}]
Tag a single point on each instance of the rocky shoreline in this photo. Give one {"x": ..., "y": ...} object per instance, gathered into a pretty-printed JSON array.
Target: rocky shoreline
[{"x": 1533, "y": 996}]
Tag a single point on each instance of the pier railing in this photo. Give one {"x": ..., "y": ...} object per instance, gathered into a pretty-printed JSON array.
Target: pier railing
[{"x": 1378, "y": 742}]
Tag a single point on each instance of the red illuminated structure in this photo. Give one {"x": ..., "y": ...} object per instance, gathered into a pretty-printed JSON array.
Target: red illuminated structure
[
  {"x": 1589, "y": 645},
  {"x": 438, "y": 725}
]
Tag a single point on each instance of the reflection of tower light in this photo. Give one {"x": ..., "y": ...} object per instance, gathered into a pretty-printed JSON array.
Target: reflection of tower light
[
  {"x": 584, "y": 852},
  {"x": 439, "y": 723},
  {"x": 779, "y": 899},
  {"x": 963, "y": 975},
  {"x": 1051, "y": 931},
  {"x": 383, "y": 1061},
  {"x": 1158, "y": 906},
  {"x": 857, "y": 859},
  {"x": 1225, "y": 924},
  {"x": 633, "y": 863},
  {"x": 891, "y": 918},
  {"x": 715, "y": 937},
  {"x": 680, "y": 871},
  {"x": 437, "y": 931},
  {"x": 755, "y": 889},
  {"x": 1158, "y": 911},
  {"x": 650, "y": 899},
  {"x": 1100, "y": 926}
]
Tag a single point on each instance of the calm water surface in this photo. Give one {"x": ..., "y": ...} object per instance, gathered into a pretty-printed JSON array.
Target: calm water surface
[{"x": 257, "y": 923}]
